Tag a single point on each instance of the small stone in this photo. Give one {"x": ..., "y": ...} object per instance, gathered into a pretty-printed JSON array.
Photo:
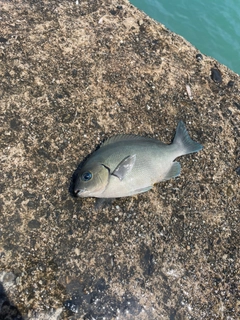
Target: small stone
[
  {"x": 18, "y": 280},
  {"x": 113, "y": 12},
  {"x": 238, "y": 171},
  {"x": 34, "y": 224},
  {"x": 9, "y": 277},
  {"x": 77, "y": 251},
  {"x": 216, "y": 75},
  {"x": 230, "y": 191},
  {"x": 15, "y": 124},
  {"x": 3, "y": 40},
  {"x": 74, "y": 72},
  {"x": 70, "y": 305},
  {"x": 230, "y": 83},
  {"x": 199, "y": 57},
  {"x": 237, "y": 105}
]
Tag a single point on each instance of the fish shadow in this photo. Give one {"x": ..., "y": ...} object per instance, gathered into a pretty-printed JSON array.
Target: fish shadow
[
  {"x": 74, "y": 178},
  {"x": 7, "y": 310}
]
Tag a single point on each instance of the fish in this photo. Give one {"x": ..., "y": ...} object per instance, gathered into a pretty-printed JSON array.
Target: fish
[{"x": 126, "y": 165}]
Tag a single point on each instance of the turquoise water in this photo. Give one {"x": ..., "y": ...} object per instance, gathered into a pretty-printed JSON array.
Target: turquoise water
[{"x": 212, "y": 26}]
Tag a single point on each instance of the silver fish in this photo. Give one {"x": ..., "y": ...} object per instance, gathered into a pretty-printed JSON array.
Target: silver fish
[{"x": 125, "y": 165}]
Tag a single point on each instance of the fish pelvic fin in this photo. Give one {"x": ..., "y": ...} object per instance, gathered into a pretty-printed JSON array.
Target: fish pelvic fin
[{"x": 183, "y": 141}]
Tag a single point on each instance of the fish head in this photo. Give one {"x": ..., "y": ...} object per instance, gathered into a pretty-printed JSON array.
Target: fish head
[{"x": 91, "y": 180}]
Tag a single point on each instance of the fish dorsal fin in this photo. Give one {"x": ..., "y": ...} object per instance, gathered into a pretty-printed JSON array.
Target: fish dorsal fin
[{"x": 125, "y": 137}]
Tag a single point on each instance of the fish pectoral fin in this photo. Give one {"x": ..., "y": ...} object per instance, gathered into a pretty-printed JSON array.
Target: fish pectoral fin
[
  {"x": 174, "y": 171},
  {"x": 124, "y": 167}
]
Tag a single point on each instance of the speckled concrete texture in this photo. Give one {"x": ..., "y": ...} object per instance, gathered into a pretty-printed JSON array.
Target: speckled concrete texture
[{"x": 71, "y": 76}]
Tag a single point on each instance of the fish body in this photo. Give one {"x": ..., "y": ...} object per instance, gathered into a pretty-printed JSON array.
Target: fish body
[{"x": 126, "y": 165}]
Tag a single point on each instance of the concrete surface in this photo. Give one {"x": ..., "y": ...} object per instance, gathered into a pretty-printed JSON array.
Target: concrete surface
[{"x": 71, "y": 76}]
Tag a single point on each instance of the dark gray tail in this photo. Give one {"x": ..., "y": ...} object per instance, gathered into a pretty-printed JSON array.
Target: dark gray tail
[{"x": 183, "y": 140}]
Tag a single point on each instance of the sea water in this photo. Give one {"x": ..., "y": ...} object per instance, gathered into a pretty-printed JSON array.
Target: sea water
[{"x": 212, "y": 26}]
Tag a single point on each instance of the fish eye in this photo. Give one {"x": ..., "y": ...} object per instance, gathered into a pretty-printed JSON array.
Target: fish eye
[{"x": 86, "y": 176}]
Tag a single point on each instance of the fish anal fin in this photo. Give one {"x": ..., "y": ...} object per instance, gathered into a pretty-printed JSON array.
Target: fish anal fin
[
  {"x": 124, "y": 167},
  {"x": 174, "y": 171},
  {"x": 141, "y": 190}
]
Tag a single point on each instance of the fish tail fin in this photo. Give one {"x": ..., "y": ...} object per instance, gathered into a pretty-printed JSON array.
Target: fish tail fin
[{"x": 183, "y": 141}]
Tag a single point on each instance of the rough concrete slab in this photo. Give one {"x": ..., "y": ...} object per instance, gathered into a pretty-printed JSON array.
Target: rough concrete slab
[{"x": 71, "y": 76}]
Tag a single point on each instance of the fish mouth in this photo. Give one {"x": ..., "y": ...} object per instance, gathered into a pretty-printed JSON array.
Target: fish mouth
[{"x": 79, "y": 192}]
